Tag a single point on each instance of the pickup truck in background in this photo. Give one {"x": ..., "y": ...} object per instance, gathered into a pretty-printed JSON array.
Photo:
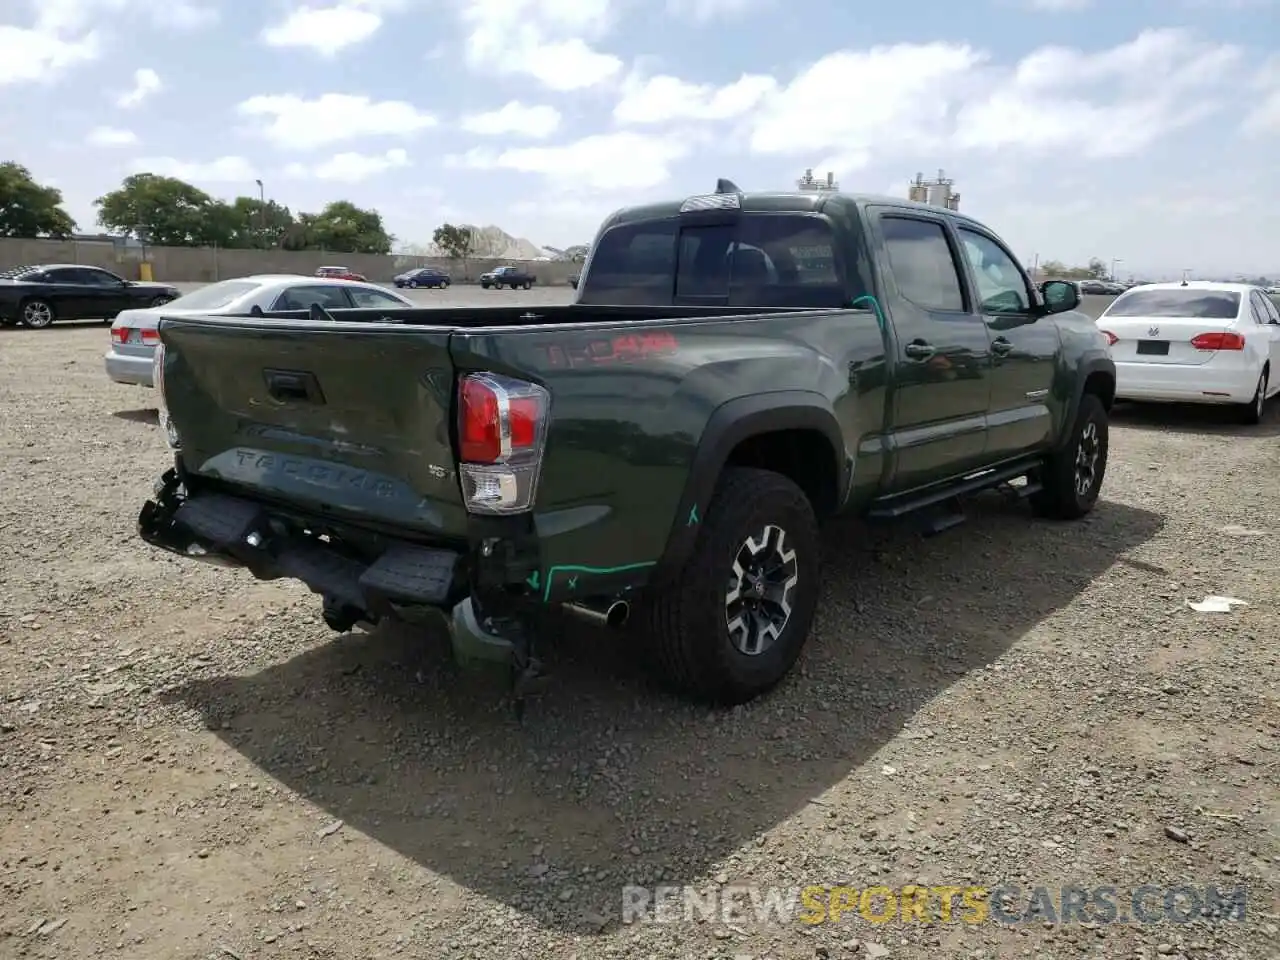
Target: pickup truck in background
[
  {"x": 736, "y": 369},
  {"x": 512, "y": 277}
]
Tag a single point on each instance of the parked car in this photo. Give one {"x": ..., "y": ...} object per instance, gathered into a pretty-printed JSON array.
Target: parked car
[
  {"x": 1196, "y": 342},
  {"x": 1095, "y": 288},
  {"x": 671, "y": 439},
  {"x": 38, "y": 295},
  {"x": 341, "y": 273},
  {"x": 512, "y": 277},
  {"x": 134, "y": 334},
  {"x": 423, "y": 277}
]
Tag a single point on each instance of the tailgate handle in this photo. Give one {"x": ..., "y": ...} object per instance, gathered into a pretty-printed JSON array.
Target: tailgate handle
[{"x": 296, "y": 386}]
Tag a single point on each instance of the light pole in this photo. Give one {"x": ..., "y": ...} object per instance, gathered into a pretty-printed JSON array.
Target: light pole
[
  {"x": 1114, "y": 261},
  {"x": 262, "y": 212}
]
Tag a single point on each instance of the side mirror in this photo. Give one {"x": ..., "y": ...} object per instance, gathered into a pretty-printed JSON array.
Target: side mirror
[{"x": 1059, "y": 296}]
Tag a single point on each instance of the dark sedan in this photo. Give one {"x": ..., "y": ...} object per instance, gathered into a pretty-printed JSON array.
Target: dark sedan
[
  {"x": 38, "y": 295},
  {"x": 425, "y": 277}
]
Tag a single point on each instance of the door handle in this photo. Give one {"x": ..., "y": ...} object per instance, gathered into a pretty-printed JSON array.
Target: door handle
[
  {"x": 919, "y": 350},
  {"x": 1001, "y": 346}
]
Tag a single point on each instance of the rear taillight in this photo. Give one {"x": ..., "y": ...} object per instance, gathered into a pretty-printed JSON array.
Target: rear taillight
[
  {"x": 162, "y": 404},
  {"x": 1218, "y": 341},
  {"x": 502, "y": 426},
  {"x": 119, "y": 334},
  {"x": 151, "y": 336},
  {"x": 1112, "y": 339}
]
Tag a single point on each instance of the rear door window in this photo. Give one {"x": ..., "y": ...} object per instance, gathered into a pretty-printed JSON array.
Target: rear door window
[
  {"x": 301, "y": 298},
  {"x": 923, "y": 264}
]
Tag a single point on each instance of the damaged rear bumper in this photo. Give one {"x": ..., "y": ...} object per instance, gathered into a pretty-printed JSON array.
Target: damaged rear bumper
[{"x": 385, "y": 578}]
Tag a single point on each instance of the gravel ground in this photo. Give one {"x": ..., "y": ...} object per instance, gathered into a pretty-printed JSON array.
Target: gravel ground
[{"x": 192, "y": 765}]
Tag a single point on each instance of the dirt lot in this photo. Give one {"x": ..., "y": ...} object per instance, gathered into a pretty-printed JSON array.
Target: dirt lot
[{"x": 1013, "y": 702}]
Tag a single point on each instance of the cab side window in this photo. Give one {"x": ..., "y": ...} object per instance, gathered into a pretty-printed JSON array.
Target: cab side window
[
  {"x": 923, "y": 265},
  {"x": 1002, "y": 287}
]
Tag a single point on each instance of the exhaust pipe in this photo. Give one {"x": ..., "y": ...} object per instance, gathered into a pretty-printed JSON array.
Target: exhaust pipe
[{"x": 612, "y": 614}]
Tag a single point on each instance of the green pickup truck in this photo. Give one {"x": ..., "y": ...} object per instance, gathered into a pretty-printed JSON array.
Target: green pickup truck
[{"x": 657, "y": 456}]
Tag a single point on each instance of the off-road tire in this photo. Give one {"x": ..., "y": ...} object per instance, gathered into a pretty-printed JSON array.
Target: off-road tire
[
  {"x": 683, "y": 625},
  {"x": 52, "y": 314},
  {"x": 1059, "y": 498},
  {"x": 1251, "y": 413}
]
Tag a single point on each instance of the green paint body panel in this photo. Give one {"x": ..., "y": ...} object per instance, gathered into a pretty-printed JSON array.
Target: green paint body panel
[{"x": 619, "y": 476}]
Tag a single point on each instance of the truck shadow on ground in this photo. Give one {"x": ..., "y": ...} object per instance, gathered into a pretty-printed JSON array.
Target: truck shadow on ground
[
  {"x": 611, "y": 781},
  {"x": 1198, "y": 418}
]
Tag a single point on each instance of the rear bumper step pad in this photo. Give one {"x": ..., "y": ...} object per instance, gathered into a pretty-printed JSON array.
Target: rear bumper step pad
[{"x": 220, "y": 528}]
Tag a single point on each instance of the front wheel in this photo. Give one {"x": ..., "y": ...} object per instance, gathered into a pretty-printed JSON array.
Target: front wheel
[
  {"x": 38, "y": 314},
  {"x": 412, "y": 284},
  {"x": 1251, "y": 412},
  {"x": 734, "y": 622},
  {"x": 161, "y": 301},
  {"x": 1071, "y": 478}
]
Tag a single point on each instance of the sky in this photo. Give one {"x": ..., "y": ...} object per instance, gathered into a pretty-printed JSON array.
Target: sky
[{"x": 1145, "y": 131}]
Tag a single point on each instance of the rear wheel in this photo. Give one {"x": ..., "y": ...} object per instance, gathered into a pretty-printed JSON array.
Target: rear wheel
[
  {"x": 38, "y": 314},
  {"x": 1251, "y": 412},
  {"x": 733, "y": 624},
  {"x": 528, "y": 284},
  {"x": 1071, "y": 478}
]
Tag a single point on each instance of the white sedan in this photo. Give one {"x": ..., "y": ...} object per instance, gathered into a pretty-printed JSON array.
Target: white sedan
[
  {"x": 1198, "y": 342},
  {"x": 134, "y": 334}
]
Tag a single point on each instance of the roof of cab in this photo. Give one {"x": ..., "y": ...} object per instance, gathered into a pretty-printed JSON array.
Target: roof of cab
[{"x": 794, "y": 201}]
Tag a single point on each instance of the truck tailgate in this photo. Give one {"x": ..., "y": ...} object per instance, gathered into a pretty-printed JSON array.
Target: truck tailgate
[{"x": 349, "y": 420}]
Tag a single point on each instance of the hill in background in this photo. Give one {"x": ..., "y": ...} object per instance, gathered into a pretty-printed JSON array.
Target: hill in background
[{"x": 497, "y": 244}]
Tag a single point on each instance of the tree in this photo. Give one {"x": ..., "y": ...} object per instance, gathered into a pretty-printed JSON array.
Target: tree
[
  {"x": 1098, "y": 270},
  {"x": 170, "y": 212},
  {"x": 345, "y": 228},
  {"x": 457, "y": 242},
  {"x": 28, "y": 209}
]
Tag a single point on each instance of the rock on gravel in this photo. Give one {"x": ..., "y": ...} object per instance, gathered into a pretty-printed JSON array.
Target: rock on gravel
[{"x": 1015, "y": 702}]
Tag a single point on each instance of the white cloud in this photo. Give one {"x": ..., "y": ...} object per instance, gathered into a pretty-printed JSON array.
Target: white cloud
[
  {"x": 550, "y": 44},
  {"x": 146, "y": 82},
  {"x": 662, "y": 98},
  {"x": 183, "y": 14},
  {"x": 853, "y": 108},
  {"x": 603, "y": 162},
  {"x": 702, "y": 11},
  {"x": 514, "y": 118},
  {"x": 328, "y": 29},
  {"x": 1060, "y": 6},
  {"x": 351, "y": 167},
  {"x": 1264, "y": 116},
  {"x": 1137, "y": 92},
  {"x": 292, "y": 122},
  {"x": 222, "y": 170},
  {"x": 40, "y": 56},
  {"x": 852, "y": 105},
  {"x": 111, "y": 137}
]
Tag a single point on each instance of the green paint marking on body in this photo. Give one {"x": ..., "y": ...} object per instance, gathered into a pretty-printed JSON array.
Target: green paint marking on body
[
  {"x": 532, "y": 580},
  {"x": 693, "y": 515},
  {"x": 573, "y": 583},
  {"x": 598, "y": 571}
]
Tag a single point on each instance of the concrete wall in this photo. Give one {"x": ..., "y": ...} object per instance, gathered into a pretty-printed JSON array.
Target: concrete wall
[{"x": 207, "y": 264}]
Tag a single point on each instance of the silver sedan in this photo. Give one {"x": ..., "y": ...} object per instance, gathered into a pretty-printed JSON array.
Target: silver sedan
[{"x": 134, "y": 334}]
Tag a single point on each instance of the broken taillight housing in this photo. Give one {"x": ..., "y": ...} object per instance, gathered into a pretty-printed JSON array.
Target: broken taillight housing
[
  {"x": 502, "y": 428},
  {"x": 162, "y": 404}
]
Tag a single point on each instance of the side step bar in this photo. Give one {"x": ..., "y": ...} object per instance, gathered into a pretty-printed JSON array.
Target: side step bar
[{"x": 996, "y": 477}]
